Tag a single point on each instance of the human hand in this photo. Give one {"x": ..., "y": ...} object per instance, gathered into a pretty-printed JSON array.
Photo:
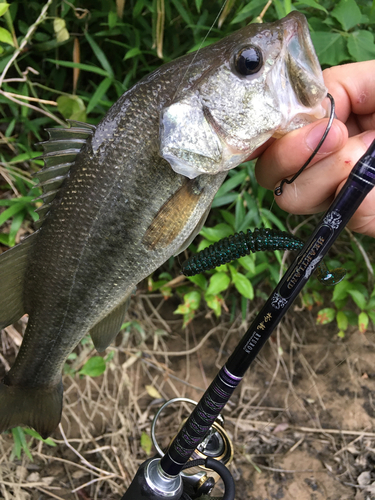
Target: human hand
[{"x": 353, "y": 88}]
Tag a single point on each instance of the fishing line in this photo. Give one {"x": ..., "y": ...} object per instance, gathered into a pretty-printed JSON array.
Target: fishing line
[
  {"x": 278, "y": 191},
  {"x": 197, "y": 52}
]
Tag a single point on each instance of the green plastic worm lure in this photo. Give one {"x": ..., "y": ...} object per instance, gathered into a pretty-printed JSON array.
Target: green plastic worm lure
[
  {"x": 241, "y": 244},
  {"x": 237, "y": 245}
]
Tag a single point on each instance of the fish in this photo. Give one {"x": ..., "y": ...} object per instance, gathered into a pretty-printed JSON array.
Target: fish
[{"x": 120, "y": 198}]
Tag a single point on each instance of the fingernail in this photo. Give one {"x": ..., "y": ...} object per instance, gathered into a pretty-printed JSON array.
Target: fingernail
[
  {"x": 331, "y": 141},
  {"x": 368, "y": 138}
]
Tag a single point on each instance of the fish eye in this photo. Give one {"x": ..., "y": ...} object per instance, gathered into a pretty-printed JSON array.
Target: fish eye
[{"x": 248, "y": 61}]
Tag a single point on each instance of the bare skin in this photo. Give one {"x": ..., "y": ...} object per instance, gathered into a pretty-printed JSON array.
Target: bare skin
[{"x": 353, "y": 88}]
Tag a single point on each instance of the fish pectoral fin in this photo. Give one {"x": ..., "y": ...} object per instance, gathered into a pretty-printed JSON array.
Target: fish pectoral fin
[
  {"x": 195, "y": 233},
  {"x": 104, "y": 332},
  {"x": 13, "y": 264},
  {"x": 36, "y": 407},
  {"x": 172, "y": 216}
]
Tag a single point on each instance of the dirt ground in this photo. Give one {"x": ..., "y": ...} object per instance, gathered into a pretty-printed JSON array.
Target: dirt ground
[{"x": 302, "y": 422}]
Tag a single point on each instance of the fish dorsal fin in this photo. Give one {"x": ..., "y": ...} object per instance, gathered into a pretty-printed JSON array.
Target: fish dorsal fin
[
  {"x": 13, "y": 264},
  {"x": 106, "y": 330},
  {"x": 60, "y": 152}
]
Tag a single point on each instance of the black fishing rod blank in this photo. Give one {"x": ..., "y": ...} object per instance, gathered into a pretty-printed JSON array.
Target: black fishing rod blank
[{"x": 160, "y": 478}]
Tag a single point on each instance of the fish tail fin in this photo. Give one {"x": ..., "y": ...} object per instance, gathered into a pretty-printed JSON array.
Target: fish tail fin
[{"x": 39, "y": 408}]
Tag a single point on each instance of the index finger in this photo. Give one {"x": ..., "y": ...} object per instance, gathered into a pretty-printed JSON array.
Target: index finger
[{"x": 353, "y": 88}]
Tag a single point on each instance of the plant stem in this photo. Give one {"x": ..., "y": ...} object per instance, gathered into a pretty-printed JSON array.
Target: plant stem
[{"x": 28, "y": 35}]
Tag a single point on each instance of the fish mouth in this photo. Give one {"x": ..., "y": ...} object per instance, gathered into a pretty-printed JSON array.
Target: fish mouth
[{"x": 302, "y": 65}]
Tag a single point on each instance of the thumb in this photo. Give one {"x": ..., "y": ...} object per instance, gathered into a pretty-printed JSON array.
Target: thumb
[{"x": 284, "y": 157}]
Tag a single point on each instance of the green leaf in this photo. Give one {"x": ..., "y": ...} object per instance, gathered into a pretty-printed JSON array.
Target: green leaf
[
  {"x": 72, "y": 107},
  {"x": 347, "y": 13},
  {"x": 352, "y": 317},
  {"x": 3, "y": 8},
  {"x": 372, "y": 316},
  {"x": 342, "y": 320},
  {"x": 146, "y": 443},
  {"x": 361, "y": 45},
  {"x": 214, "y": 303},
  {"x": 248, "y": 11},
  {"x": 203, "y": 244},
  {"x": 191, "y": 303},
  {"x": 4, "y": 239},
  {"x": 280, "y": 8},
  {"x": 198, "y": 4},
  {"x": 84, "y": 67},
  {"x": 59, "y": 27},
  {"x": 243, "y": 285},
  {"x": 100, "y": 55},
  {"x": 341, "y": 290},
  {"x": 363, "y": 321},
  {"x": 232, "y": 183},
  {"x": 330, "y": 47},
  {"x": 98, "y": 94},
  {"x": 20, "y": 443},
  {"x": 218, "y": 283},
  {"x": 135, "y": 51},
  {"x": 15, "y": 227},
  {"x": 15, "y": 201},
  {"x": 183, "y": 12},
  {"x": 313, "y": 4},
  {"x": 10, "y": 212},
  {"x": 199, "y": 280},
  {"x": 226, "y": 199},
  {"x": 216, "y": 233},
  {"x": 358, "y": 298},
  {"x": 112, "y": 19},
  {"x": 36, "y": 435},
  {"x": 24, "y": 157},
  {"x": 94, "y": 367},
  {"x": 6, "y": 37},
  {"x": 325, "y": 316},
  {"x": 248, "y": 262}
]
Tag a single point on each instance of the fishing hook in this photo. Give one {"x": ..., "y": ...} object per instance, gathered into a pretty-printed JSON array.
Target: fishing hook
[{"x": 278, "y": 191}]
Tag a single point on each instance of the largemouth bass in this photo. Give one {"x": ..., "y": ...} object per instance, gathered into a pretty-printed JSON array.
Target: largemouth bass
[{"x": 122, "y": 197}]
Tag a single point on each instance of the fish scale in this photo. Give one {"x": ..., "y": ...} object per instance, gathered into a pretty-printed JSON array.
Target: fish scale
[{"x": 117, "y": 205}]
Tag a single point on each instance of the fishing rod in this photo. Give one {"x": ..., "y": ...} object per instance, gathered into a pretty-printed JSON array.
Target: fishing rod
[{"x": 160, "y": 478}]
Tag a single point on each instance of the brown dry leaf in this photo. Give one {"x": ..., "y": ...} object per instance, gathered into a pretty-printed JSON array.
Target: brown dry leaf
[
  {"x": 120, "y": 4},
  {"x": 34, "y": 477},
  {"x": 21, "y": 472},
  {"x": 328, "y": 467},
  {"x": 364, "y": 478},
  {"x": 48, "y": 480},
  {"x": 226, "y": 10},
  {"x": 154, "y": 393},
  {"x": 281, "y": 427},
  {"x": 371, "y": 489},
  {"x": 78, "y": 474},
  {"x": 160, "y": 27},
  {"x": 352, "y": 449},
  {"x": 76, "y": 59}
]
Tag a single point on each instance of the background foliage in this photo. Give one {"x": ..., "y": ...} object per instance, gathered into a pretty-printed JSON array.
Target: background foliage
[{"x": 72, "y": 59}]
